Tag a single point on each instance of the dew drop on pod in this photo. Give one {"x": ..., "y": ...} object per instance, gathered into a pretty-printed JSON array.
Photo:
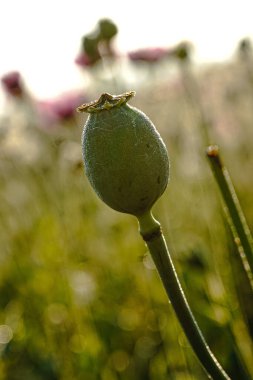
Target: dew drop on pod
[{"x": 125, "y": 159}]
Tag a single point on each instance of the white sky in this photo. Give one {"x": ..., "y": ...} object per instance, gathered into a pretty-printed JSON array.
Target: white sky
[{"x": 41, "y": 38}]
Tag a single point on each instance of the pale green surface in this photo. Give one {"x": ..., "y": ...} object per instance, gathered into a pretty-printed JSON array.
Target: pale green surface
[{"x": 125, "y": 159}]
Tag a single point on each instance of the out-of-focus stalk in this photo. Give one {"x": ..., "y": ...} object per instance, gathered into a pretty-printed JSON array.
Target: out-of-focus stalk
[{"x": 235, "y": 217}]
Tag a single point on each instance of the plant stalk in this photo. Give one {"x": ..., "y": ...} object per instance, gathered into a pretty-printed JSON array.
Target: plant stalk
[
  {"x": 235, "y": 217},
  {"x": 151, "y": 232}
]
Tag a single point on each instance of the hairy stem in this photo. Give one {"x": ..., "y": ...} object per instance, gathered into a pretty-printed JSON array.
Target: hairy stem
[{"x": 151, "y": 232}]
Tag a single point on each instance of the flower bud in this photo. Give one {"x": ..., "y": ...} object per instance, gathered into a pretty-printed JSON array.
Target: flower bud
[{"x": 125, "y": 159}]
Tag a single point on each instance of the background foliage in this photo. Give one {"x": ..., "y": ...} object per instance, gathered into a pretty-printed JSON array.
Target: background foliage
[{"x": 79, "y": 295}]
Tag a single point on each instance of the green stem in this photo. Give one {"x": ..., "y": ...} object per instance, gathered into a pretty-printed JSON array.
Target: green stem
[
  {"x": 151, "y": 232},
  {"x": 234, "y": 213}
]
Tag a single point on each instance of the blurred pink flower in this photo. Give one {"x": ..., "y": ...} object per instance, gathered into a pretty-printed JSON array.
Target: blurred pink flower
[
  {"x": 52, "y": 112},
  {"x": 12, "y": 83},
  {"x": 84, "y": 60},
  {"x": 148, "y": 54},
  {"x": 46, "y": 115},
  {"x": 65, "y": 106}
]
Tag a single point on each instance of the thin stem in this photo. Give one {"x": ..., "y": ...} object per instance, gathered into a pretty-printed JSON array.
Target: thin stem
[
  {"x": 194, "y": 96},
  {"x": 151, "y": 233},
  {"x": 234, "y": 213}
]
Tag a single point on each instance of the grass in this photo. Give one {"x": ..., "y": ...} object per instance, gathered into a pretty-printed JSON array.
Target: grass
[{"x": 80, "y": 298}]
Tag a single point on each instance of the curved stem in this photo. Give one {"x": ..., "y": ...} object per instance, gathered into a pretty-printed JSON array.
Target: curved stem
[{"x": 151, "y": 232}]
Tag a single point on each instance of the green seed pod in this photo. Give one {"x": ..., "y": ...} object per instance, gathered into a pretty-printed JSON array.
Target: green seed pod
[{"x": 125, "y": 159}]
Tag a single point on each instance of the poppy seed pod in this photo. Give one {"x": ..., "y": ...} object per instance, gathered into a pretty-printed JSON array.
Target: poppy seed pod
[{"x": 125, "y": 159}]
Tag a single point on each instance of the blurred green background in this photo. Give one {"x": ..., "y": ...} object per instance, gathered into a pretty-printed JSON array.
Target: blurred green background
[{"x": 79, "y": 295}]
